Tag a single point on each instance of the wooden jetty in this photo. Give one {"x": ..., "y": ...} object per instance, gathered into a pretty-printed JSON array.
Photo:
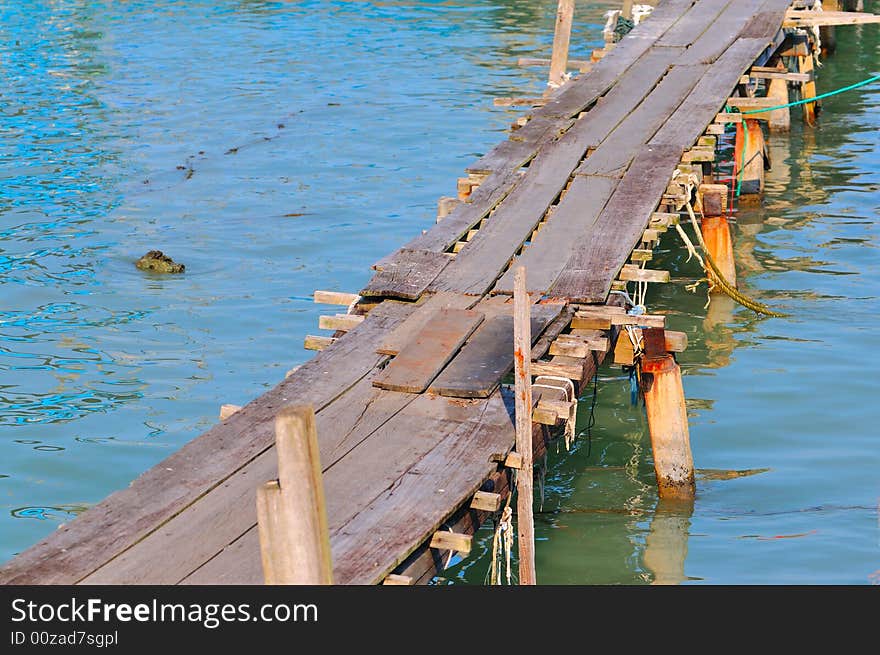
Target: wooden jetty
[{"x": 405, "y": 423}]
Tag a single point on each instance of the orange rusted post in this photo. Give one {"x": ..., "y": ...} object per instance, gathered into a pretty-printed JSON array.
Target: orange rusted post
[{"x": 667, "y": 418}]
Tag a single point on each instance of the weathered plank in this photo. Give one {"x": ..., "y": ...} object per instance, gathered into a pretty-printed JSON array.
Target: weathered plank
[
  {"x": 406, "y": 274},
  {"x": 580, "y": 93},
  {"x": 480, "y": 262},
  {"x": 488, "y": 355},
  {"x": 415, "y": 323},
  {"x": 594, "y": 263},
  {"x": 709, "y": 95},
  {"x": 74, "y": 550},
  {"x": 430, "y": 350},
  {"x": 723, "y": 31},
  {"x": 376, "y": 540},
  {"x": 546, "y": 256},
  {"x": 549, "y": 335},
  {"x": 612, "y": 157},
  {"x": 442, "y": 236},
  {"x": 692, "y": 25},
  {"x": 521, "y": 146},
  {"x": 409, "y": 446}
]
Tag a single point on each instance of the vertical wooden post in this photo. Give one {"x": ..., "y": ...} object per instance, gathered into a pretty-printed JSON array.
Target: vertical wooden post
[
  {"x": 779, "y": 120},
  {"x": 291, "y": 516},
  {"x": 667, "y": 418},
  {"x": 627, "y": 9},
  {"x": 522, "y": 358},
  {"x": 716, "y": 229},
  {"x": 561, "y": 39},
  {"x": 808, "y": 89},
  {"x": 749, "y": 158}
]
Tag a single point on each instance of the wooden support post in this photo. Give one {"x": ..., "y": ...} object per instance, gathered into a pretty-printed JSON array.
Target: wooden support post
[
  {"x": 561, "y": 39},
  {"x": 291, "y": 517},
  {"x": 522, "y": 349},
  {"x": 716, "y": 234},
  {"x": 667, "y": 419},
  {"x": 827, "y": 34},
  {"x": 779, "y": 119},
  {"x": 627, "y": 10},
  {"x": 749, "y": 158},
  {"x": 808, "y": 89}
]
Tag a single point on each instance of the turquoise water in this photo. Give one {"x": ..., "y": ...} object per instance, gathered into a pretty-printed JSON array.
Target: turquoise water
[{"x": 278, "y": 148}]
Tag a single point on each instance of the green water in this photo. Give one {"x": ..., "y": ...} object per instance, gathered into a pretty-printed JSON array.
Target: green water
[{"x": 278, "y": 148}]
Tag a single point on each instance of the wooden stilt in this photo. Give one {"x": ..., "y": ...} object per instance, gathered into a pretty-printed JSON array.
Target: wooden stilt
[
  {"x": 667, "y": 419},
  {"x": 291, "y": 517},
  {"x": 522, "y": 348},
  {"x": 716, "y": 229},
  {"x": 808, "y": 89},
  {"x": 779, "y": 120},
  {"x": 749, "y": 158},
  {"x": 561, "y": 39}
]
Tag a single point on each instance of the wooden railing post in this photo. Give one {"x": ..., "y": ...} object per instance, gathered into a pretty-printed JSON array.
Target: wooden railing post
[
  {"x": 561, "y": 40},
  {"x": 522, "y": 357},
  {"x": 291, "y": 516}
]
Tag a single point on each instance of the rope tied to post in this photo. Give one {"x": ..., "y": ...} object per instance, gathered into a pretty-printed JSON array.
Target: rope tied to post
[{"x": 718, "y": 280}]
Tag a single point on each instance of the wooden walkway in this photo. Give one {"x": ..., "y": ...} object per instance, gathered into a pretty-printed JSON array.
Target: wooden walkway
[{"x": 412, "y": 418}]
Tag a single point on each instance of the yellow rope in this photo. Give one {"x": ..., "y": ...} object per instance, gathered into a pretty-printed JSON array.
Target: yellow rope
[{"x": 721, "y": 282}]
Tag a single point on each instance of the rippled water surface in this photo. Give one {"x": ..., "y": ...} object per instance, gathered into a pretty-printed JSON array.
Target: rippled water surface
[{"x": 278, "y": 148}]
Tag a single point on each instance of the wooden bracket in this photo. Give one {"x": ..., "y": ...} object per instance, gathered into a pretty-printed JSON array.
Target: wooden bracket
[
  {"x": 398, "y": 580},
  {"x": 228, "y": 410},
  {"x": 460, "y": 543},
  {"x": 335, "y": 298},
  {"x": 312, "y": 342},
  {"x": 486, "y": 501},
  {"x": 341, "y": 322}
]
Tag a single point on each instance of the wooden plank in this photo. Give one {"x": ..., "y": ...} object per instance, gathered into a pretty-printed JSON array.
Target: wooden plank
[
  {"x": 442, "y": 236},
  {"x": 374, "y": 542},
  {"x": 636, "y": 274},
  {"x": 594, "y": 264},
  {"x": 335, "y": 298},
  {"x": 76, "y": 549},
  {"x": 559, "y": 366},
  {"x": 415, "y": 323},
  {"x": 521, "y": 147},
  {"x": 549, "y": 335},
  {"x": 692, "y": 25},
  {"x": 545, "y": 257},
  {"x": 723, "y": 31},
  {"x": 445, "y": 540},
  {"x": 582, "y": 92},
  {"x": 398, "y": 580},
  {"x": 486, "y": 501},
  {"x": 313, "y": 342},
  {"x": 407, "y": 274},
  {"x": 481, "y": 261},
  {"x": 342, "y": 322},
  {"x": 488, "y": 355},
  {"x": 385, "y": 448},
  {"x": 686, "y": 124},
  {"x": 431, "y": 349},
  {"x": 814, "y": 18},
  {"x": 615, "y": 153}
]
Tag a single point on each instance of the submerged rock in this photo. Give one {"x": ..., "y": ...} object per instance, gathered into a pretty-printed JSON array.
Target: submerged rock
[{"x": 159, "y": 262}]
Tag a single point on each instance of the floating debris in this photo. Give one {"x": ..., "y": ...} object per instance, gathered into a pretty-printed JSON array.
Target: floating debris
[{"x": 158, "y": 262}]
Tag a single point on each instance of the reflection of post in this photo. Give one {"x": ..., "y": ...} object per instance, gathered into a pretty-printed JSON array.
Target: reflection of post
[{"x": 666, "y": 545}]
